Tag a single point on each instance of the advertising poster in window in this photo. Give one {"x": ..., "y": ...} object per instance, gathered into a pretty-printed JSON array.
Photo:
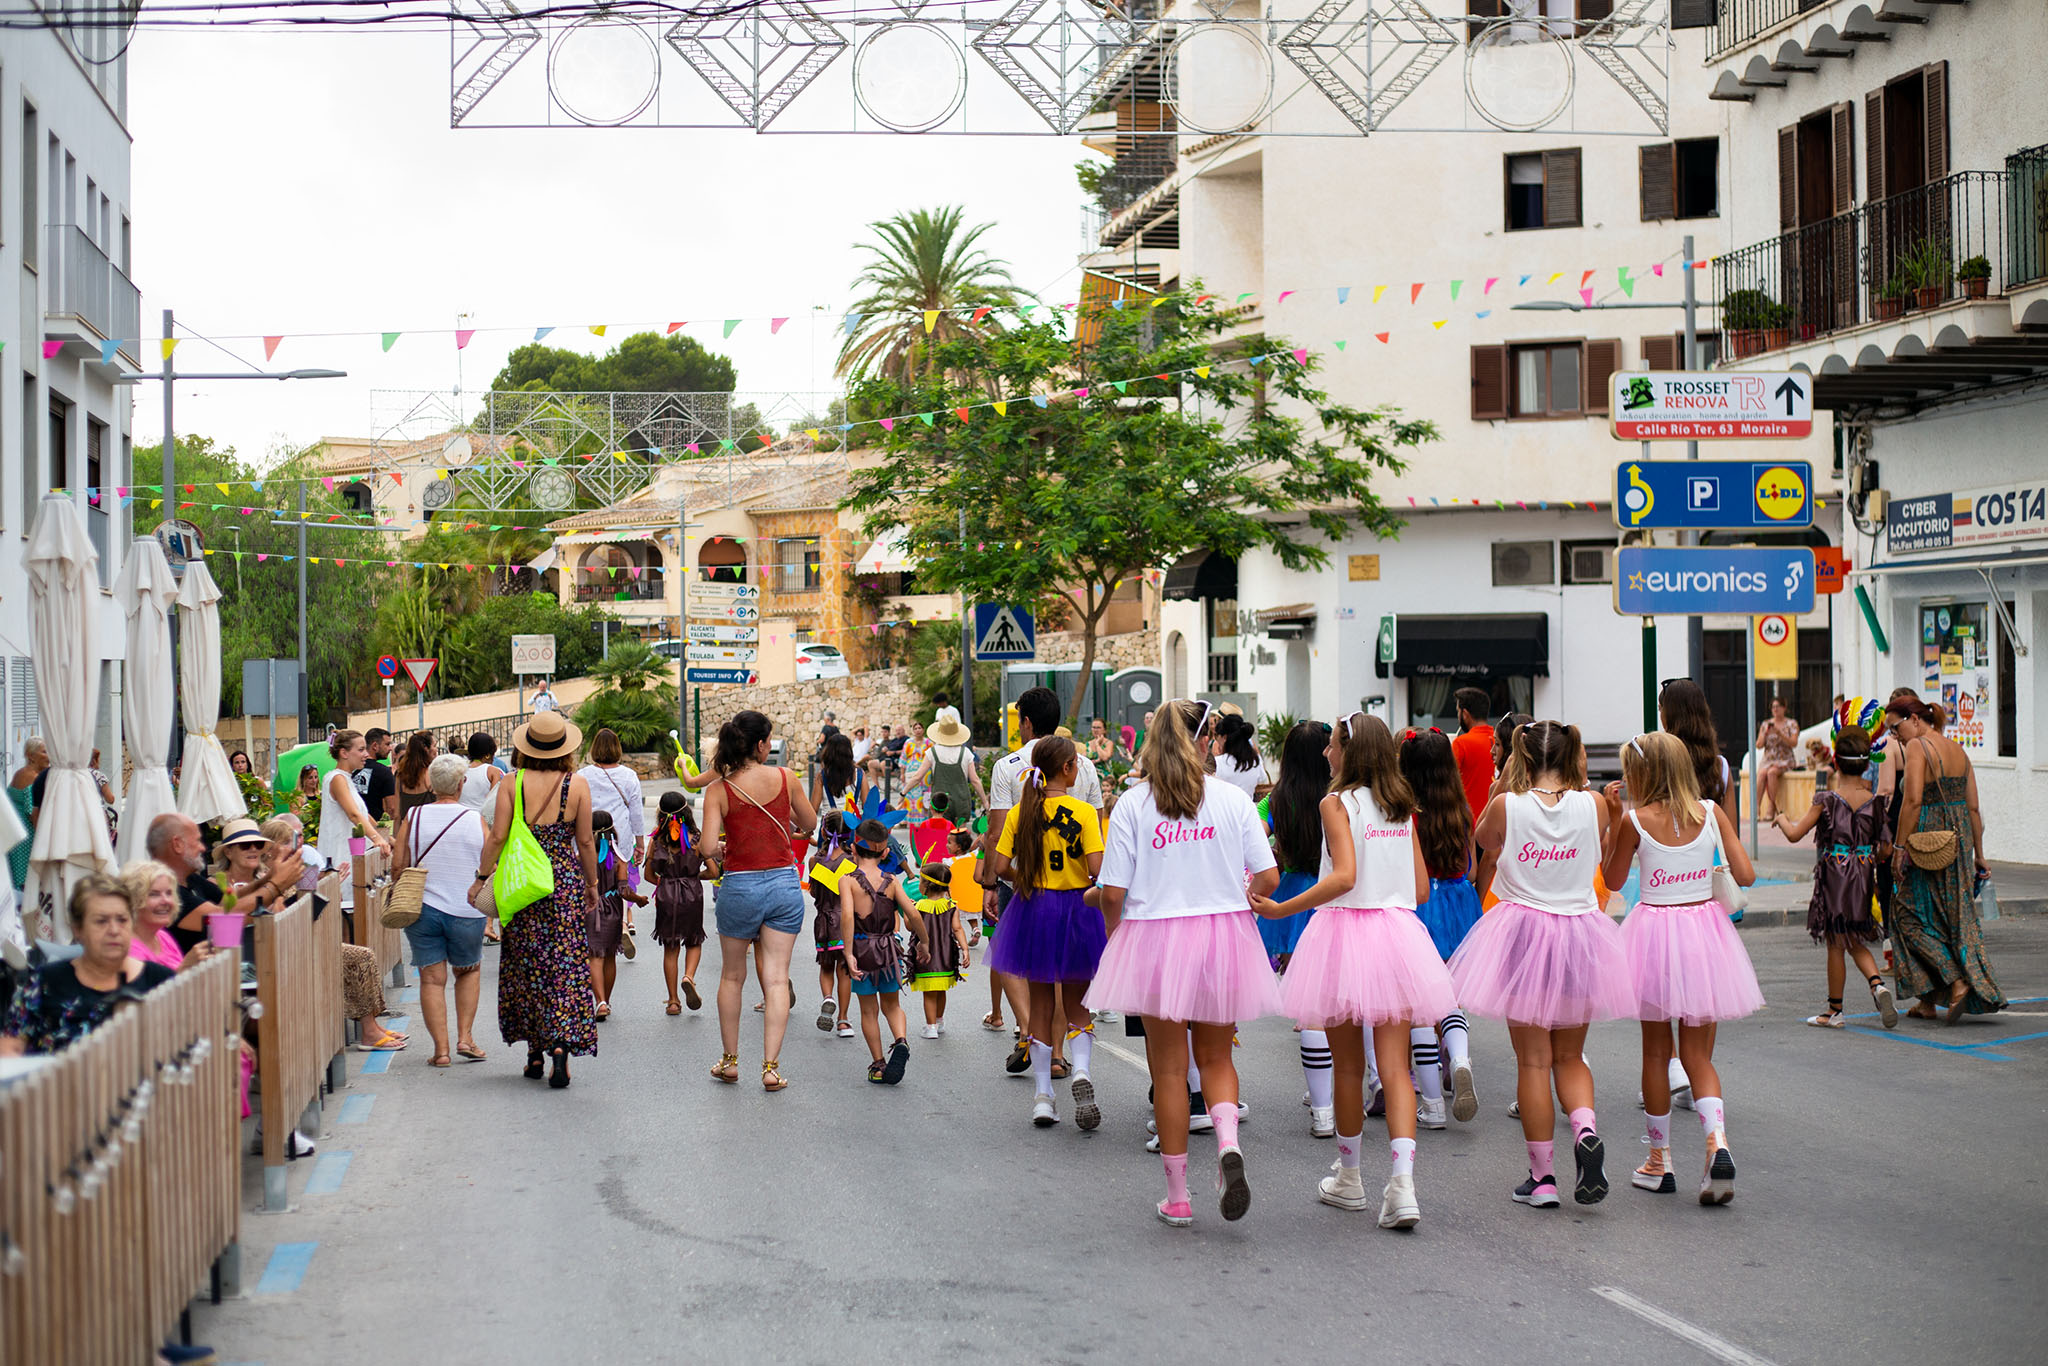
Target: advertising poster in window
[{"x": 1954, "y": 644}]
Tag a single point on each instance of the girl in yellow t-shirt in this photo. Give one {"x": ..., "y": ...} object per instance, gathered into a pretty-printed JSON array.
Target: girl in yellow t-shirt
[{"x": 1051, "y": 849}]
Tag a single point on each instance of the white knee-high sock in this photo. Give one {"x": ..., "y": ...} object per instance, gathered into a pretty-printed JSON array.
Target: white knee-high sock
[
  {"x": 1457, "y": 1037},
  {"x": 1422, "y": 1056},
  {"x": 1372, "y": 1066},
  {"x": 1316, "y": 1070},
  {"x": 1081, "y": 1049},
  {"x": 1041, "y": 1066},
  {"x": 1194, "y": 1074}
]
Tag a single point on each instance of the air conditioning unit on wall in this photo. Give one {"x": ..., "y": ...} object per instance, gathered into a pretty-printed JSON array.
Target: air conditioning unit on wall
[
  {"x": 1590, "y": 564},
  {"x": 1523, "y": 564}
]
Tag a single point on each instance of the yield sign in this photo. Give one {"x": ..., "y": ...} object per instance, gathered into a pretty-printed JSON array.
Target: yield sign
[{"x": 419, "y": 671}]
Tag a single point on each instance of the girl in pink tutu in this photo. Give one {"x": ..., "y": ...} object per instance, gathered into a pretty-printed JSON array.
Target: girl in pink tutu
[
  {"x": 1545, "y": 958},
  {"x": 1184, "y": 951},
  {"x": 1050, "y": 849},
  {"x": 1684, "y": 957},
  {"x": 1365, "y": 961}
]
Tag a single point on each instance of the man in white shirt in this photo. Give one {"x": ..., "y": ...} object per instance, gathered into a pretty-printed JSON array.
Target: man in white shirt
[
  {"x": 544, "y": 699},
  {"x": 861, "y": 744},
  {"x": 1038, "y": 713}
]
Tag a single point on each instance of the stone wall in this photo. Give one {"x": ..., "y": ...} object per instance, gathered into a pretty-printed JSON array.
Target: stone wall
[{"x": 1129, "y": 650}]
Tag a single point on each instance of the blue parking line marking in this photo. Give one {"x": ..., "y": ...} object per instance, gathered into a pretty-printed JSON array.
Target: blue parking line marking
[
  {"x": 397, "y": 1024},
  {"x": 356, "y": 1110},
  {"x": 328, "y": 1169},
  {"x": 286, "y": 1268},
  {"x": 374, "y": 1063},
  {"x": 1968, "y": 1050},
  {"x": 410, "y": 996}
]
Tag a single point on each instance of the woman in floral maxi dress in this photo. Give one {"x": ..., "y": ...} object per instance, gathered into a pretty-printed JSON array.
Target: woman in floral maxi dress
[{"x": 544, "y": 991}]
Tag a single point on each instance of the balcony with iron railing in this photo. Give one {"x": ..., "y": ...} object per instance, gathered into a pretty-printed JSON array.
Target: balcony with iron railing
[
  {"x": 89, "y": 298},
  {"x": 1737, "y": 22}
]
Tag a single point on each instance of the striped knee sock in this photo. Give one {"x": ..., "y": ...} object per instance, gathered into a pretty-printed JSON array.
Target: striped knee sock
[{"x": 1316, "y": 1070}]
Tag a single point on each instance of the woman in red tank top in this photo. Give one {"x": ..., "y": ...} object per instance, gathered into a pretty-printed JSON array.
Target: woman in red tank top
[{"x": 750, "y": 812}]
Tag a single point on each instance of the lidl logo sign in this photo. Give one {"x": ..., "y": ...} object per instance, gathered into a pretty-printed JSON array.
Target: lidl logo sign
[{"x": 1781, "y": 493}]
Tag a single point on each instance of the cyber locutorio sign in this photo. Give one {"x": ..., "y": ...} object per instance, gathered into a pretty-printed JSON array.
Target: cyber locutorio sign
[{"x": 1980, "y": 516}]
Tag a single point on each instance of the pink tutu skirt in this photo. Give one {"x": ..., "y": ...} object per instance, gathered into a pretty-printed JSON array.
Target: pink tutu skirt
[
  {"x": 1531, "y": 967},
  {"x": 1202, "y": 969},
  {"x": 1369, "y": 967},
  {"x": 1688, "y": 964}
]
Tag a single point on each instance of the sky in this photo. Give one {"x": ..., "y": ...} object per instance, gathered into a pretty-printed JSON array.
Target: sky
[{"x": 306, "y": 182}]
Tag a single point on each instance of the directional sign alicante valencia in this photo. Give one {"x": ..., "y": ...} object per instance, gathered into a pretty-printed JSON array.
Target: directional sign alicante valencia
[{"x": 1711, "y": 405}]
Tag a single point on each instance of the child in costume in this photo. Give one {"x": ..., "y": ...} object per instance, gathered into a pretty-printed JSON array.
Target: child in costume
[{"x": 676, "y": 865}]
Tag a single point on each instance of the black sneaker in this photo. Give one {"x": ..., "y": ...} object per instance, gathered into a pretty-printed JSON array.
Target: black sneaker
[
  {"x": 1591, "y": 1155},
  {"x": 1538, "y": 1192},
  {"x": 899, "y": 1058},
  {"x": 1019, "y": 1060}
]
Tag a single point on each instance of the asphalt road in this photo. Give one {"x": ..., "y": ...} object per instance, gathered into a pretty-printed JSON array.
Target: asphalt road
[{"x": 1890, "y": 1208}]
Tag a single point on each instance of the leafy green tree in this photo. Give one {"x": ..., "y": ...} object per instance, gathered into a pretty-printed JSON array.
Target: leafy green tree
[
  {"x": 634, "y": 697},
  {"x": 924, "y": 261},
  {"x": 1155, "y": 439},
  {"x": 479, "y": 650},
  {"x": 645, "y": 362}
]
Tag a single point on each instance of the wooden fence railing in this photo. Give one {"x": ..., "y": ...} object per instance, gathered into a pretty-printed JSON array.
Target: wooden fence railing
[
  {"x": 300, "y": 1034},
  {"x": 119, "y": 1176},
  {"x": 372, "y": 889}
]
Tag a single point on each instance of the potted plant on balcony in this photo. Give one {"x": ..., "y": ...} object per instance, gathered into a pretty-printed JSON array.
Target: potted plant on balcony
[
  {"x": 1891, "y": 296},
  {"x": 1778, "y": 327},
  {"x": 1975, "y": 275},
  {"x": 1745, "y": 314},
  {"x": 1926, "y": 261}
]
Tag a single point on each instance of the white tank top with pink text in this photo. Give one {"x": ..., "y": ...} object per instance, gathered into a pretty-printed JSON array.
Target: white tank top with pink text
[
  {"x": 1677, "y": 875},
  {"x": 1385, "y": 855},
  {"x": 1551, "y": 853}
]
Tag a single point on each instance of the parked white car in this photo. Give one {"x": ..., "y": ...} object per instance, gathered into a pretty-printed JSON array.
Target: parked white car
[{"x": 819, "y": 661}]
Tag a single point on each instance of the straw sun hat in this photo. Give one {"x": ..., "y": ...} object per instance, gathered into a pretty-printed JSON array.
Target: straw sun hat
[{"x": 547, "y": 736}]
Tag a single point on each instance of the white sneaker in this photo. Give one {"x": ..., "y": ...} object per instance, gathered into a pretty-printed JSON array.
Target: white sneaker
[
  {"x": 931, "y": 1031},
  {"x": 1152, "y": 1144},
  {"x": 1306, "y": 1103},
  {"x": 1430, "y": 1113},
  {"x": 1322, "y": 1121},
  {"x": 1464, "y": 1098},
  {"x": 1681, "y": 1086},
  {"x": 1043, "y": 1112},
  {"x": 941, "y": 1026},
  {"x": 1345, "y": 1190},
  {"x": 1397, "y": 1205}
]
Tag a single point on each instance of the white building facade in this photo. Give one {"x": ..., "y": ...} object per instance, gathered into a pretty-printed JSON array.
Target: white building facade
[
  {"x": 66, "y": 233},
  {"x": 1891, "y": 208},
  {"x": 1502, "y": 576}
]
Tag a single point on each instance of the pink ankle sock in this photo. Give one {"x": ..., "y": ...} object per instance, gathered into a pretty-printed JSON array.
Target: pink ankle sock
[
  {"x": 1225, "y": 1116},
  {"x": 1582, "y": 1122},
  {"x": 1541, "y": 1162},
  {"x": 1176, "y": 1177}
]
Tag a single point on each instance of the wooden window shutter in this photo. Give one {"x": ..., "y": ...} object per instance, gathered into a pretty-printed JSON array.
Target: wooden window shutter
[
  {"x": 1657, "y": 166},
  {"x": 1873, "y": 145},
  {"x": 1788, "y": 177},
  {"x": 1935, "y": 103},
  {"x": 1843, "y": 126},
  {"x": 1601, "y": 360},
  {"x": 1561, "y": 188},
  {"x": 1661, "y": 353},
  {"x": 1489, "y": 383}
]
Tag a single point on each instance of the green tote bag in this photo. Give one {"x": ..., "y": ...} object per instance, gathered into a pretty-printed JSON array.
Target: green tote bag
[{"x": 523, "y": 875}]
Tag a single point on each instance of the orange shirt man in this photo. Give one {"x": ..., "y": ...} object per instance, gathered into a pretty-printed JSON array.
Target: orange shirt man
[{"x": 1472, "y": 746}]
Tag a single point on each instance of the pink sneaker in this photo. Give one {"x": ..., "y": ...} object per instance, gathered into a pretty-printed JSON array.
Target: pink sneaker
[{"x": 1180, "y": 1214}]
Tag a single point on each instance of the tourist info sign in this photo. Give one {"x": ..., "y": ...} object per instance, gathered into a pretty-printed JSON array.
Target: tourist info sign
[
  {"x": 1711, "y": 405},
  {"x": 1750, "y": 581},
  {"x": 1712, "y": 495}
]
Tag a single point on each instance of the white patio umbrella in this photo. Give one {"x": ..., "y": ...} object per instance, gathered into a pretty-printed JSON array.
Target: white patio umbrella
[
  {"x": 71, "y": 833},
  {"x": 146, "y": 591},
  {"x": 207, "y": 790}
]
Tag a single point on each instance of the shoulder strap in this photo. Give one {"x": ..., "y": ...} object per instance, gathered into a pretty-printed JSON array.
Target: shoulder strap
[
  {"x": 421, "y": 856},
  {"x": 1933, "y": 757}
]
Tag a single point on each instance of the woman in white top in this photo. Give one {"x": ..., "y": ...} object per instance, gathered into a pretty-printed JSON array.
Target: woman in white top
[
  {"x": 1237, "y": 760},
  {"x": 446, "y": 838},
  {"x": 1684, "y": 957},
  {"x": 1364, "y": 960},
  {"x": 480, "y": 781},
  {"x": 1546, "y": 958},
  {"x": 342, "y": 813},
  {"x": 616, "y": 788},
  {"x": 1183, "y": 950}
]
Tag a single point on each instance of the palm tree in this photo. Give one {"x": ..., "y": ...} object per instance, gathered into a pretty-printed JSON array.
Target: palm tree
[{"x": 925, "y": 262}]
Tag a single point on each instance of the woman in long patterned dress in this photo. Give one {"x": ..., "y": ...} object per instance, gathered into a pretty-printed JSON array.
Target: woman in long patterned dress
[
  {"x": 1937, "y": 941},
  {"x": 544, "y": 991},
  {"x": 916, "y": 797}
]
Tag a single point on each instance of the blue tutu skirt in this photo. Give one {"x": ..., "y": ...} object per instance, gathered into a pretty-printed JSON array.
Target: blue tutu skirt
[
  {"x": 1450, "y": 913},
  {"x": 1051, "y": 936},
  {"x": 1280, "y": 936}
]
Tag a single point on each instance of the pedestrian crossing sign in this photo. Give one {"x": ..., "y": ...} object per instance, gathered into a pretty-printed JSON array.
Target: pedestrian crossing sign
[{"x": 1002, "y": 631}]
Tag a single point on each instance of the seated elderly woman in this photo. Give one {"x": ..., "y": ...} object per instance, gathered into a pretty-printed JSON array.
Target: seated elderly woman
[
  {"x": 66, "y": 1001},
  {"x": 153, "y": 891}
]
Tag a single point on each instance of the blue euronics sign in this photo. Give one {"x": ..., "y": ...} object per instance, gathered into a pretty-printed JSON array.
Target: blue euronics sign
[
  {"x": 1697, "y": 580},
  {"x": 1708, "y": 495}
]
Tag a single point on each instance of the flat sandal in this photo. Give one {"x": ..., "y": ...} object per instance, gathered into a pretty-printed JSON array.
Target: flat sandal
[
  {"x": 728, "y": 1069},
  {"x": 771, "y": 1076}
]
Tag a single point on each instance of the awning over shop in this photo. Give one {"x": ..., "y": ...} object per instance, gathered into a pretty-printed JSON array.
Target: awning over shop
[
  {"x": 1201, "y": 574},
  {"x": 889, "y": 555},
  {"x": 1505, "y": 644}
]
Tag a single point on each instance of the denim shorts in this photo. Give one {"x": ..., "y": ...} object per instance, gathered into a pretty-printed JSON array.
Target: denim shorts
[
  {"x": 767, "y": 898},
  {"x": 437, "y": 937}
]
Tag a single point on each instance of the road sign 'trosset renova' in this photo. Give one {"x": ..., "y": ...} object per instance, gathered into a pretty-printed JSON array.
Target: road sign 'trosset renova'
[{"x": 1710, "y": 405}]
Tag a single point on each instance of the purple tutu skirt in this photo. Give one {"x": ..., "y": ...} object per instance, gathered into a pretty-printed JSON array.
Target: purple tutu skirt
[
  {"x": 1531, "y": 967},
  {"x": 1202, "y": 969},
  {"x": 1049, "y": 936},
  {"x": 1369, "y": 967},
  {"x": 1688, "y": 964}
]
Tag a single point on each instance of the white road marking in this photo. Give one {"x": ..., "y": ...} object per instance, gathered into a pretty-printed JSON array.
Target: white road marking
[
  {"x": 1719, "y": 1348},
  {"x": 1119, "y": 1051}
]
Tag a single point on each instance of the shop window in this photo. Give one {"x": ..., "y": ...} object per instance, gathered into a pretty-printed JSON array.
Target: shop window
[
  {"x": 1960, "y": 668},
  {"x": 2007, "y": 686},
  {"x": 1222, "y": 671}
]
